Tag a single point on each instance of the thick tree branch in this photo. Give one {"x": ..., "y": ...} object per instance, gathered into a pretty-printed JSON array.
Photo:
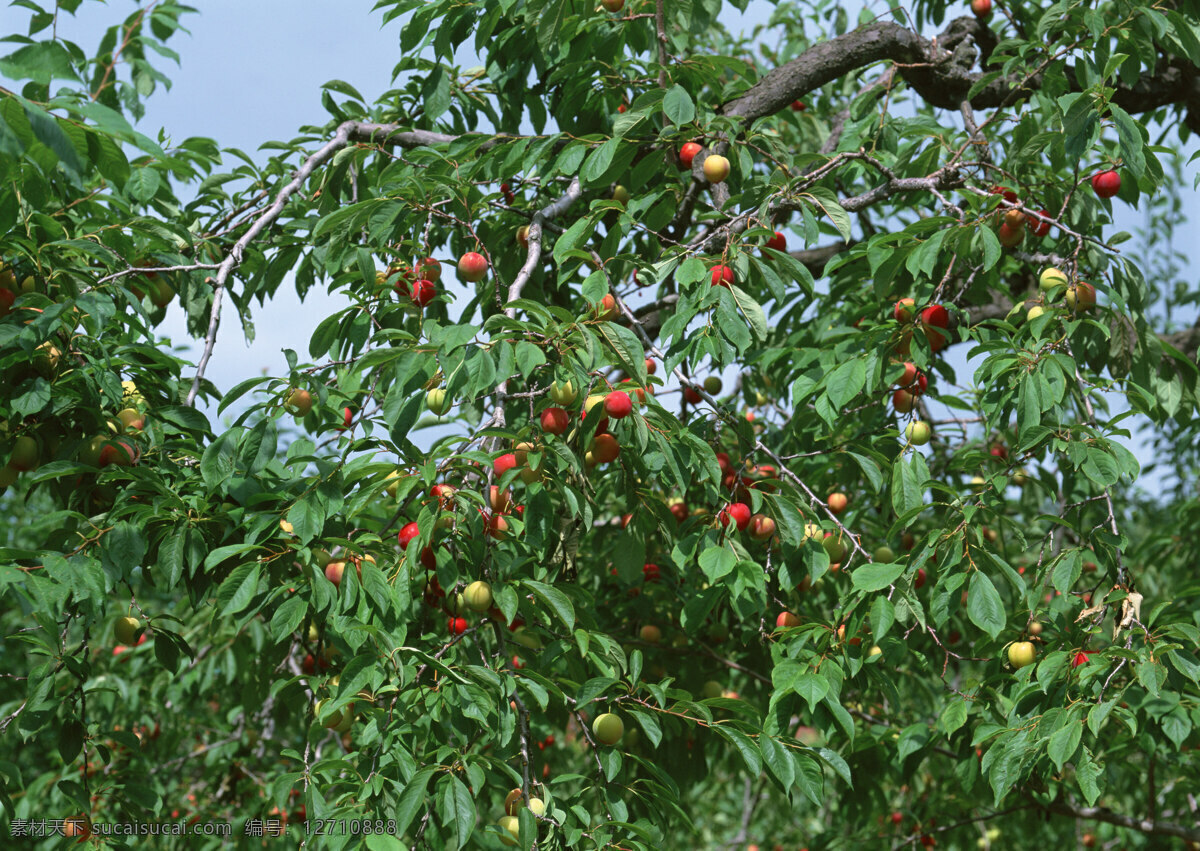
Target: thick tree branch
[
  {"x": 825, "y": 62},
  {"x": 940, "y": 70},
  {"x": 1148, "y": 826}
]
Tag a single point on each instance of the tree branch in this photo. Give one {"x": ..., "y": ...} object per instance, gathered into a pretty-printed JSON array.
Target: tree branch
[
  {"x": 550, "y": 211},
  {"x": 939, "y": 70},
  {"x": 346, "y": 131},
  {"x": 1148, "y": 826}
]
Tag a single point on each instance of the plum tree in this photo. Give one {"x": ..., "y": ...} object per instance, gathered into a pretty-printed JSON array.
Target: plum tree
[{"x": 634, "y": 459}]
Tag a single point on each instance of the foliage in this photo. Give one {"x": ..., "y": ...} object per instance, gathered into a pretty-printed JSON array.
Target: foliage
[{"x": 890, "y": 715}]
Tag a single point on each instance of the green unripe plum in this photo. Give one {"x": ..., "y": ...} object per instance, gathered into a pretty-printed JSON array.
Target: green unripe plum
[
  {"x": 478, "y": 596},
  {"x": 608, "y": 728},
  {"x": 127, "y": 630},
  {"x": 515, "y": 800},
  {"x": 89, "y": 453},
  {"x": 340, "y": 720},
  {"x": 527, "y": 639},
  {"x": 510, "y": 827},
  {"x": 884, "y": 555},
  {"x": 25, "y": 454},
  {"x": 1021, "y": 653},
  {"x": 834, "y": 548},
  {"x": 918, "y": 433},
  {"x": 1051, "y": 278},
  {"x": 564, "y": 394},
  {"x": 437, "y": 401}
]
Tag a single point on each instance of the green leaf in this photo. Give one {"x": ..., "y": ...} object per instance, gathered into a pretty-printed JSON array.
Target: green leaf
[
  {"x": 307, "y": 517},
  {"x": 572, "y": 237},
  {"x": 1063, "y": 744},
  {"x": 627, "y": 347},
  {"x": 457, "y": 807},
  {"x": 529, "y": 357},
  {"x": 239, "y": 588},
  {"x": 752, "y": 310},
  {"x": 33, "y": 399},
  {"x": 171, "y": 557},
  {"x": 42, "y": 62},
  {"x": 650, "y": 725},
  {"x": 678, "y": 106},
  {"x": 124, "y": 548},
  {"x": 812, "y": 687},
  {"x": 846, "y": 382},
  {"x": 839, "y": 765},
  {"x": 592, "y": 689},
  {"x": 1176, "y": 726},
  {"x": 826, "y": 202},
  {"x": 559, "y": 602},
  {"x": 984, "y": 607},
  {"x": 143, "y": 184},
  {"x": 436, "y": 93},
  {"x": 597, "y": 163},
  {"x": 908, "y": 486},
  {"x": 344, "y": 88},
  {"x": 1090, "y": 777},
  {"x": 1129, "y": 133},
  {"x": 870, "y": 470},
  {"x": 991, "y": 248},
  {"x": 1067, "y": 571},
  {"x": 810, "y": 777},
  {"x": 744, "y": 745},
  {"x": 1151, "y": 675},
  {"x": 883, "y": 615},
  {"x": 287, "y": 617},
  {"x": 778, "y": 762},
  {"x": 912, "y": 739},
  {"x": 70, "y": 740},
  {"x": 717, "y": 561},
  {"x": 1098, "y": 714},
  {"x": 1100, "y": 466},
  {"x": 47, "y": 130},
  {"x": 1081, "y": 124},
  {"x": 953, "y": 716},
  {"x": 874, "y": 576}
]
